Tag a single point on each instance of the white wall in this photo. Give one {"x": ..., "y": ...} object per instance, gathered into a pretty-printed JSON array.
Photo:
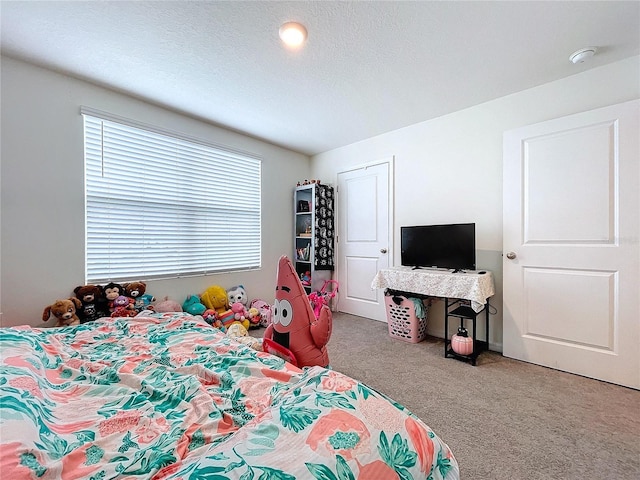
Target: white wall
[
  {"x": 449, "y": 169},
  {"x": 42, "y": 191}
]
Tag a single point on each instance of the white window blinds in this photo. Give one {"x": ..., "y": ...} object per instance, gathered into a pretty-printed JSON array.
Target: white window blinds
[{"x": 160, "y": 205}]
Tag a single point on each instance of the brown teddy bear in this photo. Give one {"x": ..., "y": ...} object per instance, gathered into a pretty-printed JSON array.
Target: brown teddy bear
[
  {"x": 64, "y": 311},
  {"x": 141, "y": 300},
  {"x": 94, "y": 305}
]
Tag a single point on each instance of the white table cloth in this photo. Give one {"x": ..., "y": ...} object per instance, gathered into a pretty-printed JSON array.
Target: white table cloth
[{"x": 438, "y": 283}]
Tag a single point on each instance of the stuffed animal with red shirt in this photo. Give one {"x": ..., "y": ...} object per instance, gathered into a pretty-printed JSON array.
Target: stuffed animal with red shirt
[{"x": 123, "y": 307}]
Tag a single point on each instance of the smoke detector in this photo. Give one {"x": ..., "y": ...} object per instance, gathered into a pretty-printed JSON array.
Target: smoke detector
[{"x": 582, "y": 55}]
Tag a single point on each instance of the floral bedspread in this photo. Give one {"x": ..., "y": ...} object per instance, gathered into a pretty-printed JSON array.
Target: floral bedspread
[{"x": 168, "y": 397}]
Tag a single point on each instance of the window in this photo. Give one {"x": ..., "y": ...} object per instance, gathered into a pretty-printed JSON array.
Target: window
[{"x": 161, "y": 205}]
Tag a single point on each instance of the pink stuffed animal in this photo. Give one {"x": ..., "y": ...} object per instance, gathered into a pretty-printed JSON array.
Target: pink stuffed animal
[
  {"x": 167, "y": 305},
  {"x": 264, "y": 309},
  {"x": 240, "y": 314},
  {"x": 294, "y": 326}
]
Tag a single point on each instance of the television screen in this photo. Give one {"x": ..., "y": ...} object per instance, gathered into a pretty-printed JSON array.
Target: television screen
[{"x": 450, "y": 246}]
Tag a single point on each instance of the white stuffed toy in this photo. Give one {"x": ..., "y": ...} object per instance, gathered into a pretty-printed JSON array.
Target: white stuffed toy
[{"x": 238, "y": 294}]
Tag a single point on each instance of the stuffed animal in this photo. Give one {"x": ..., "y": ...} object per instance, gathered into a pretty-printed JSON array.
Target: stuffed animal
[
  {"x": 254, "y": 317},
  {"x": 240, "y": 314},
  {"x": 64, "y": 311},
  {"x": 265, "y": 311},
  {"x": 123, "y": 307},
  {"x": 294, "y": 326},
  {"x": 211, "y": 317},
  {"x": 141, "y": 299},
  {"x": 193, "y": 306},
  {"x": 111, "y": 292},
  {"x": 240, "y": 334},
  {"x": 215, "y": 298},
  {"x": 167, "y": 305},
  {"x": 94, "y": 305},
  {"x": 228, "y": 318},
  {"x": 237, "y": 294}
]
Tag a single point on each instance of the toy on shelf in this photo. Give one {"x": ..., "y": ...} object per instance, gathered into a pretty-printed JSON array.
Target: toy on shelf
[
  {"x": 215, "y": 298},
  {"x": 302, "y": 253},
  {"x": 305, "y": 278},
  {"x": 307, "y": 182},
  {"x": 64, "y": 311},
  {"x": 94, "y": 304},
  {"x": 304, "y": 206},
  {"x": 141, "y": 299},
  {"x": 193, "y": 306},
  {"x": 294, "y": 326}
]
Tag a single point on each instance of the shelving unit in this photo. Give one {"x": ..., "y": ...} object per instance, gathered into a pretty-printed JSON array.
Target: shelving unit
[
  {"x": 309, "y": 231},
  {"x": 459, "y": 309}
]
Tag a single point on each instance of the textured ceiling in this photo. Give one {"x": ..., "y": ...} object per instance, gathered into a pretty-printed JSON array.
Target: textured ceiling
[{"x": 367, "y": 67}]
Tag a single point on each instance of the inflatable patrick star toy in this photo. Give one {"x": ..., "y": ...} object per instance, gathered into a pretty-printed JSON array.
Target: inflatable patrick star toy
[{"x": 294, "y": 326}]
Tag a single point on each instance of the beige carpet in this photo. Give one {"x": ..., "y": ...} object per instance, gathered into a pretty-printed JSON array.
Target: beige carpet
[{"x": 503, "y": 419}]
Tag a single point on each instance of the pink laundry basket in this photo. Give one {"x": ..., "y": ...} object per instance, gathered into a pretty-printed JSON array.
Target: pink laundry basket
[{"x": 402, "y": 320}]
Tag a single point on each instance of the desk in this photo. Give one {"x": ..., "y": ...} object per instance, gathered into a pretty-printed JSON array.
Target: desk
[
  {"x": 438, "y": 283},
  {"x": 454, "y": 288}
]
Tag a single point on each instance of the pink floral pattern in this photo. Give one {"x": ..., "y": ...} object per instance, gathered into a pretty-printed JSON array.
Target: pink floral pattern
[
  {"x": 166, "y": 396},
  {"x": 339, "y": 433},
  {"x": 338, "y": 383},
  {"x": 150, "y": 429},
  {"x": 26, "y": 383},
  {"x": 121, "y": 422}
]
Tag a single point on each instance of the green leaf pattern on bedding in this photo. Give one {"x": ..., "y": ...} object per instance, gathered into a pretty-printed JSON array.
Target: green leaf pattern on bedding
[{"x": 168, "y": 397}]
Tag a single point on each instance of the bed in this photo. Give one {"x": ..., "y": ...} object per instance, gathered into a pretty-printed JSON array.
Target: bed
[{"x": 166, "y": 396}]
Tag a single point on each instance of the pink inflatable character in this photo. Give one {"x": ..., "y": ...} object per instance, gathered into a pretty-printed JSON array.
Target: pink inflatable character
[{"x": 294, "y": 325}]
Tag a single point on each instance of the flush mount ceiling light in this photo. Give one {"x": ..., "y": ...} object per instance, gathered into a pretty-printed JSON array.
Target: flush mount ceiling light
[
  {"x": 293, "y": 34},
  {"x": 582, "y": 55}
]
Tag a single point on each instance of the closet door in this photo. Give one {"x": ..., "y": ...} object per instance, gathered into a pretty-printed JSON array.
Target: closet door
[{"x": 363, "y": 238}]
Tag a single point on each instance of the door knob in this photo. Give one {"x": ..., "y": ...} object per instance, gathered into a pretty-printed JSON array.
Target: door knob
[
  {"x": 383, "y": 250},
  {"x": 511, "y": 255}
]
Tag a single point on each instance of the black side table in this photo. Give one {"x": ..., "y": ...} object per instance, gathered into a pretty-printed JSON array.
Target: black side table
[{"x": 457, "y": 309}]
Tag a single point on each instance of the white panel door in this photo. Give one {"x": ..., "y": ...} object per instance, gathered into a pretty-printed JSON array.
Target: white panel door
[
  {"x": 571, "y": 244},
  {"x": 363, "y": 238}
]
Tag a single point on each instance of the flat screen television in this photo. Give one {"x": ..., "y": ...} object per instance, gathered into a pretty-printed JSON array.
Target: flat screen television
[{"x": 451, "y": 246}]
